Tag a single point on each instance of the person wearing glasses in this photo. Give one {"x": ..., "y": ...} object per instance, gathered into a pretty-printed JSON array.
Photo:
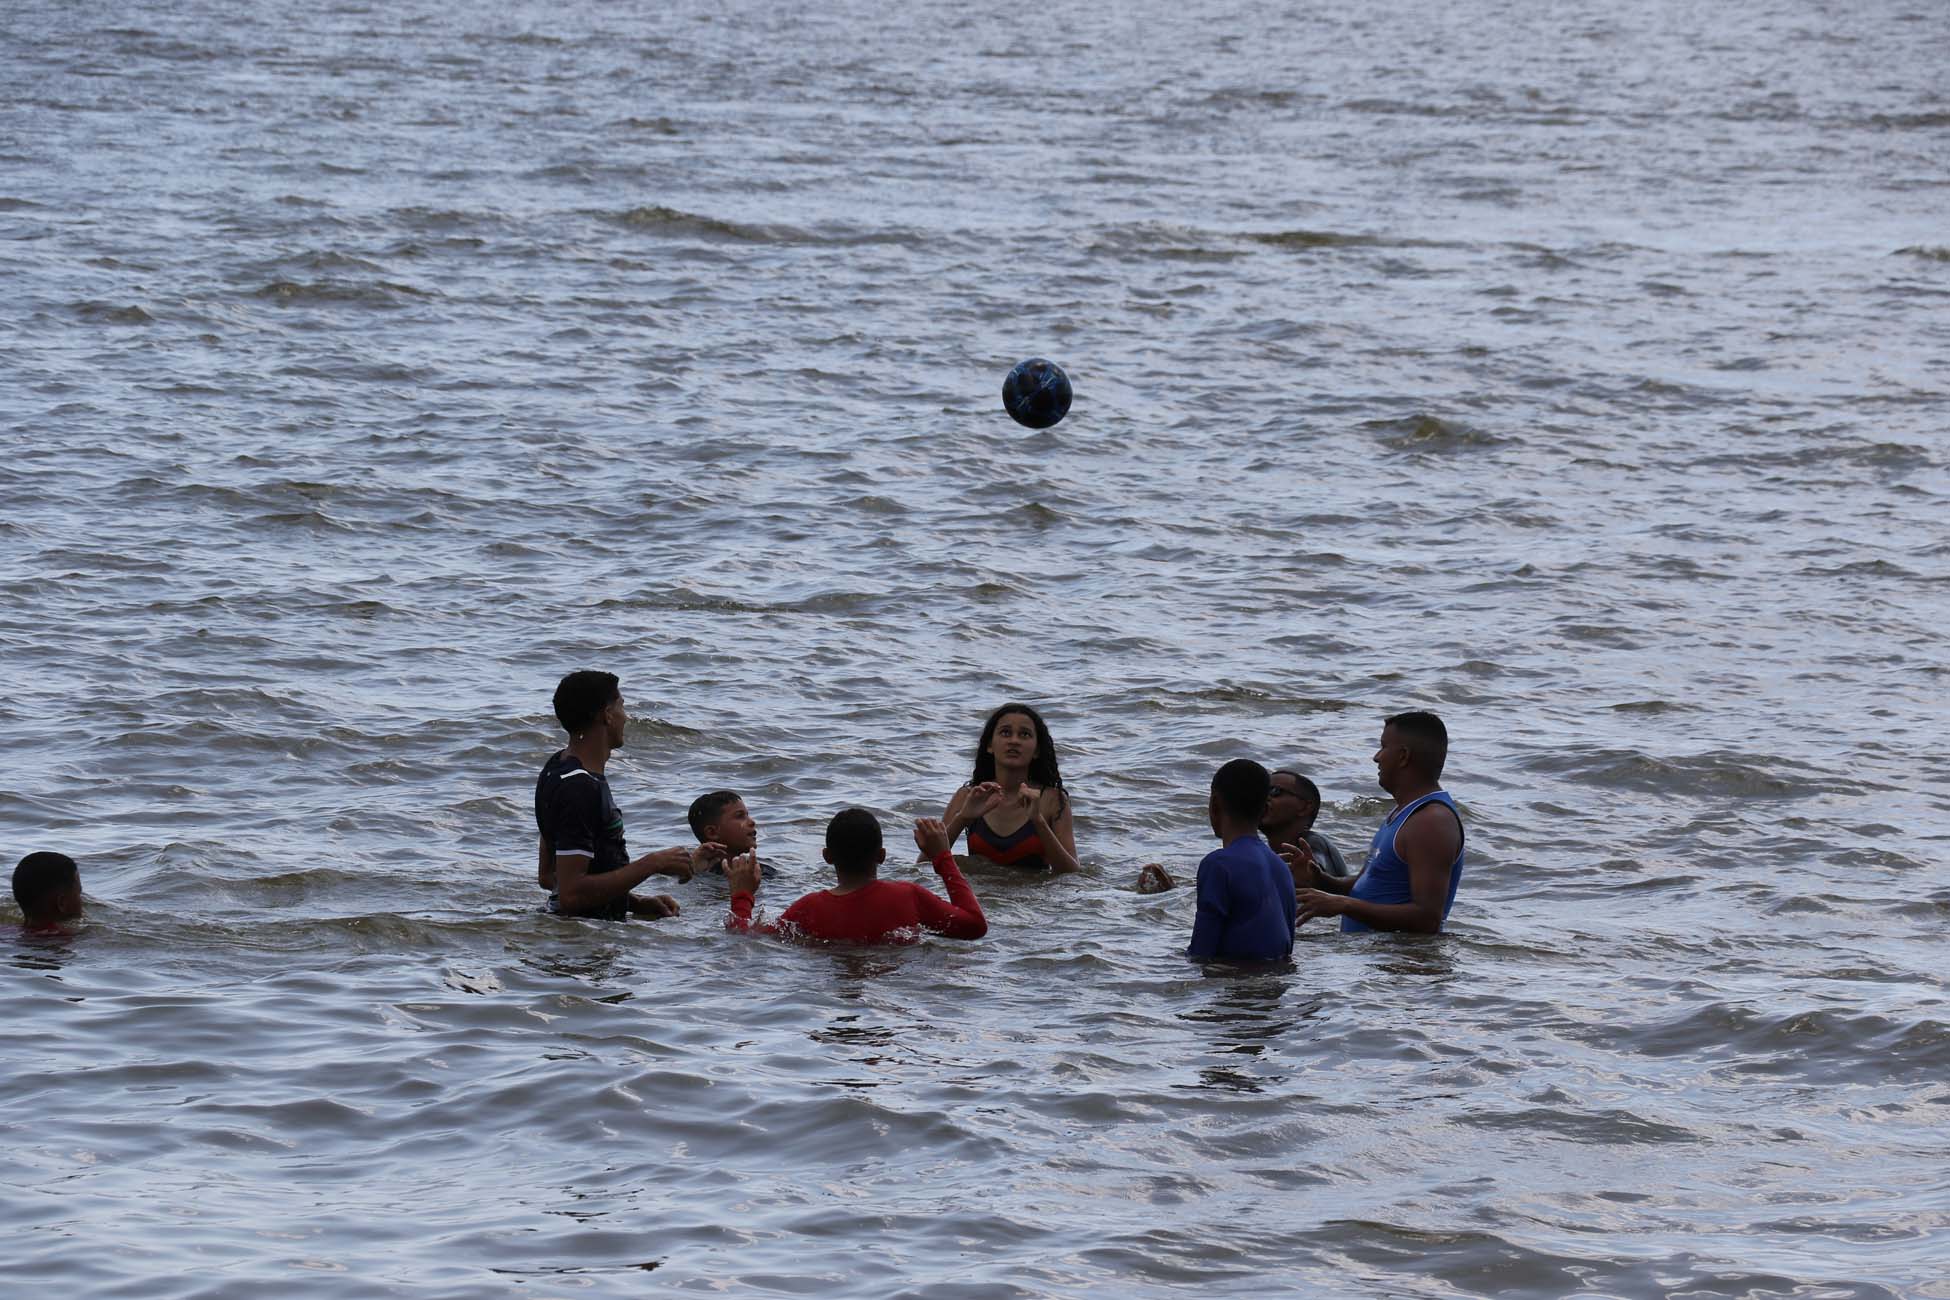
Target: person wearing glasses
[
  {"x": 1290, "y": 812},
  {"x": 1291, "y": 806},
  {"x": 1415, "y": 863}
]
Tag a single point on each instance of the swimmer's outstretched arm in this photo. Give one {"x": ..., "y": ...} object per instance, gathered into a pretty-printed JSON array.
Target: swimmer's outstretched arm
[
  {"x": 960, "y": 916},
  {"x": 578, "y": 892}
]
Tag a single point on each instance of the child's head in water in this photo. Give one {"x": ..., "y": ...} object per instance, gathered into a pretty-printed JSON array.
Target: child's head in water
[
  {"x": 48, "y": 888},
  {"x": 853, "y": 844},
  {"x": 722, "y": 818}
]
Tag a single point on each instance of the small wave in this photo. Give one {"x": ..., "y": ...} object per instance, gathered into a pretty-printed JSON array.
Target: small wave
[
  {"x": 110, "y": 314},
  {"x": 378, "y": 293},
  {"x": 1606, "y": 1127},
  {"x": 1416, "y": 432},
  {"x": 1405, "y": 108},
  {"x": 331, "y": 260},
  {"x": 653, "y": 125},
  {"x": 1909, "y": 121},
  {"x": 8, "y": 204},
  {"x": 691, "y": 225},
  {"x": 1924, "y": 252},
  {"x": 1654, "y": 707},
  {"x": 1319, "y": 239},
  {"x": 1715, "y": 774},
  {"x": 1150, "y": 239},
  {"x": 1837, "y": 1046},
  {"x": 671, "y": 221}
]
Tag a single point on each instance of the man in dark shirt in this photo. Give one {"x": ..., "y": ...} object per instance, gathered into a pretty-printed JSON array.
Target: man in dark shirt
[
  {"x": 1291, "y": 807},
  {"x": 584, "y": 863}
]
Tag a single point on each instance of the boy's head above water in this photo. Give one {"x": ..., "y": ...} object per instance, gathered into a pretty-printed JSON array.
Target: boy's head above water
[
  {"x": 853, "y": 843},
  {"x": 48, "y": 888},
  {"x": 722, "y": 818}
]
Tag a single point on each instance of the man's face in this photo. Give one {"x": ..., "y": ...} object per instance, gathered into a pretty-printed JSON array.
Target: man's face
[
  {"x": 1390, "y": 759},
  {"x": 614, "y": 719},
  {"x": 1286, "y": 807},
  {"x": 734, "y": 829}
]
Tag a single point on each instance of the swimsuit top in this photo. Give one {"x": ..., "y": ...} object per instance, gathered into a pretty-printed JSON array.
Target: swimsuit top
[{"x": 1022, "y": 847}]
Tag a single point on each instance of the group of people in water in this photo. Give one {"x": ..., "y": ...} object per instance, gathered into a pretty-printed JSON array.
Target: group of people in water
[{"x": 1271, "y": 873}]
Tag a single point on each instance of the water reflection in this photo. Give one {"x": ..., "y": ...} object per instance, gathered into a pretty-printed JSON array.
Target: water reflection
[
  {"x": 1428, "y": 959},
  {"x": 1245, "y": 1017},
  {"x": 44, "y": 952}
]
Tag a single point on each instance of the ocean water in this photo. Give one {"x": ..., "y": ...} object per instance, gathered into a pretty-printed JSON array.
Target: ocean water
[{"x": 1579, "y": 371}]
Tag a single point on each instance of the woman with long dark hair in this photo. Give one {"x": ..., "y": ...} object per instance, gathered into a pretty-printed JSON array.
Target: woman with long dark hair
[{"x": 1014, "y": 807}]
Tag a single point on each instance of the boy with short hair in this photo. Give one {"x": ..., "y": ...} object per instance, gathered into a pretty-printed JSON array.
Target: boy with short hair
[
  {"x": 722, "y": 818},
  {"x": 1245, "y": 892},
  {"x": 862, "y": 908},
  {"x": 48, "y": 888}
]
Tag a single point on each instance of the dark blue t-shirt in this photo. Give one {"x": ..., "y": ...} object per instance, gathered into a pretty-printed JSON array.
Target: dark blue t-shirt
[
  {"x": 576, "y": 815},
  {"x": 1245, "y": 904}
]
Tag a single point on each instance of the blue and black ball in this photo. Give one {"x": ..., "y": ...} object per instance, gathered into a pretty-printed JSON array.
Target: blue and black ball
[{"x": 1036, "y": 393}]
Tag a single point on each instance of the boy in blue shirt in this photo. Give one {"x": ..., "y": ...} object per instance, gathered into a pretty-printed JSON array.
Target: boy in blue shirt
[{"x": 1245, "y": 892}]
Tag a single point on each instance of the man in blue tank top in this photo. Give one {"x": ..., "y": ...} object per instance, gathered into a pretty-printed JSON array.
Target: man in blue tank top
[{"x": 1416, "y": 860}]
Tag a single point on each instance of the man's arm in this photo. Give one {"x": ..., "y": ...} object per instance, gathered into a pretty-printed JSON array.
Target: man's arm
[
  {"x": 1428, "y": 844},
  {"x": 1308, "y": 874},
  {"x": 1211, "y": 919},
  {"x": 579, "y": 893},
  {"x": 545, "y": 869}
]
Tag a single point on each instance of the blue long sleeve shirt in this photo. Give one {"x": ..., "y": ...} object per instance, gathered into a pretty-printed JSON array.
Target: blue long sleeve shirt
[{"x": 1245, "y": 904}]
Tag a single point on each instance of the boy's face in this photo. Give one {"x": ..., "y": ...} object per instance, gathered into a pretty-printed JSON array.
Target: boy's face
[{"x": 734, "y": 829}]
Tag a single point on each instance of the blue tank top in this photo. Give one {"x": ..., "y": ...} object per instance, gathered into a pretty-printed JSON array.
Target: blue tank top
[{"x": 1384, "y": 878}]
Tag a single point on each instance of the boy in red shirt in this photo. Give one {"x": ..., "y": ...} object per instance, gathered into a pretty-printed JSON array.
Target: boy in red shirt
[{"x": 862, "y": 908}]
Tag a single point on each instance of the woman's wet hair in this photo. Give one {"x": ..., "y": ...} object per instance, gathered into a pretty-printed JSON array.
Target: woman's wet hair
[{"x": 1042, "y": 765}]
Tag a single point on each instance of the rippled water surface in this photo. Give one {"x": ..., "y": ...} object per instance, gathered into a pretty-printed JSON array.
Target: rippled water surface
[{"x": 1576, "y": 370}]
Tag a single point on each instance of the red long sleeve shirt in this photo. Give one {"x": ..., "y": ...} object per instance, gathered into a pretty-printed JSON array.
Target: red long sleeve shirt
[{"x": 886, "y": 911}]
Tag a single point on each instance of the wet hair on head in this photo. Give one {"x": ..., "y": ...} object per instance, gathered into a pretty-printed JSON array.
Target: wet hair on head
[
  {"x": 1042, "y": 765},
  {"x": 853, "y": 838},
  {"x": 581, "y": 697},
  {"x": 40, "y": 876},
  {"x": 1309, "y": 792},
  {"x": 1426, "y": 738},
  {"x": 1242, "y": 786},
  {"x": 706, "y": 808}
]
